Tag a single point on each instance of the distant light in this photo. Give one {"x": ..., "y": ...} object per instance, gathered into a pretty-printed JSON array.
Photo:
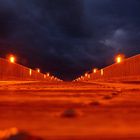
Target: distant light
[
  {"x": 52, "y": 77},
  {"x": 30, "y": 72},
  {"x": 48, "y": 74},
  {"x": 89, "y": 76},
  {"x": 82, "y": 78},
  {"x": 12, "y": 59},
  {"x": 86, "y": 74},
  {"x": 119, "y": 58},
  {"x": 102, "y": 72},
  {"x": 44, "y": 76},
  {"x": 95, "y": 70},
  {"x": 38, "y": 70}
]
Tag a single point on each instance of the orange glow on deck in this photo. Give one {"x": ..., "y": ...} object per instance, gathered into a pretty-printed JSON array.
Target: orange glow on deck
[{"x": 7, "y": 133}]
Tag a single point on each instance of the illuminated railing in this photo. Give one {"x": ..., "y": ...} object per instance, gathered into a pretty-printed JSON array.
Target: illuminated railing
[
  {"x": 128, "y": 69},
  {"x": 9, "y": 70}
]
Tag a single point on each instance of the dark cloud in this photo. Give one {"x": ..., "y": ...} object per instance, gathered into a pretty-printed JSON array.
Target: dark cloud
[{"x": 69, "y": 37}]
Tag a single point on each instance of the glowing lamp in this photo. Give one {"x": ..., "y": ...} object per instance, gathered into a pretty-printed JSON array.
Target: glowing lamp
[
  {"x": 89, "y": 76},
  {"x": 82, "y": 77},
  {"x": 95, "y": 70},
  {"x": 30, "y": 72},
  {"x": 86, "y": 75},
  {"x": 48, "y": 74},
  {"x": 102, "y": 72},
  {"x": 38, "y": 70},
  {"x": 119, "y": 58},
  {"x": 12, "y": 59},
  {"x": 44, "y": 76}
]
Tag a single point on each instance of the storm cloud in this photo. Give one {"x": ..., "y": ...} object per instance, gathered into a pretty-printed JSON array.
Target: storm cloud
[{"x": 67, "y": 37}]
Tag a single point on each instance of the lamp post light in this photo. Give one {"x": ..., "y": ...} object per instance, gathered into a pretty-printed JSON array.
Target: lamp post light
[
  {"x": 44, "y": 76},
  {"x": 89, "y": 76},
  {"x": 119, "y": 58},
  {"x": 95, "y": 70},
  {"x": 86, "y": 74},
  {"x": 38, "y": 70},
  {"x": 102, "y": 72},
  {"x": 12, "y": 59},
  {"x": 30, "y": 72}
]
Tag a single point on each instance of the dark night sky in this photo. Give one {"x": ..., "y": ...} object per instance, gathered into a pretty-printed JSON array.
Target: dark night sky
[{"x": 69, "y": 37}]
